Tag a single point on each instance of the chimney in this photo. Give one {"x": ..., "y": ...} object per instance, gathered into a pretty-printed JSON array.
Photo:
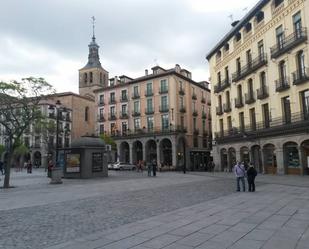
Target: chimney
[
  {"x": 234, "y": 23},
  {"x": 146, "y": 72}
]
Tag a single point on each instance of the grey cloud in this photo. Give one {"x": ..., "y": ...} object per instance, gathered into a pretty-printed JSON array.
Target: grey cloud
[{"x": 131, "y": 33}]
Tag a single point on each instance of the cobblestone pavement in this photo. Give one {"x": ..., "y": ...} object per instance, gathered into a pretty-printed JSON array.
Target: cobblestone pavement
[
  {"x": 38, "y": 226},
  {"x": 129, "y": 210}
]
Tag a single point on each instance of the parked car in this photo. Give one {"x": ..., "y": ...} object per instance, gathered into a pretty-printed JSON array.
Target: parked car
[
  {"x": 123, "y": 166},
  {"x": 110, "y": 166}
]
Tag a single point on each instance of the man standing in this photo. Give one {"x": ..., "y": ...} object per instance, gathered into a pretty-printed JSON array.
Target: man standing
[
  {"x": 240, "y": 173},
  {"x": 251, "y": 174},
  {"x": 154, "y": 167}
]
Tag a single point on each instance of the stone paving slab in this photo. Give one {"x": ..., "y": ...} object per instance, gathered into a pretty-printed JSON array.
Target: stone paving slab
[
  {"x": 274, "y": 217},
  {"x": 275, "y": 229}
]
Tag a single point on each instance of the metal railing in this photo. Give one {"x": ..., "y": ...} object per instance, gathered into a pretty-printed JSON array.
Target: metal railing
[
  {"x": 222, "y": 85},
  {"x": 262, "y": 92},
  {"x": 251, "y": 67},
  {"x": 282, "y": 84},
  {"x": 289, "y": 42},
  {"x": 151, "y": 131},
  {"x": 295, "y": 122},
  {"x": 300, "y": 76}
]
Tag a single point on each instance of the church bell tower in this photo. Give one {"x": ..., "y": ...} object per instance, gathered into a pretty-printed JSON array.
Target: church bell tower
[{"x": 92, "y": 76}]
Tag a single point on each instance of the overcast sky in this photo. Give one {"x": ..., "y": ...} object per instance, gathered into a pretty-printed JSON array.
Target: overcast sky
[{"x": 49, "y": 38}]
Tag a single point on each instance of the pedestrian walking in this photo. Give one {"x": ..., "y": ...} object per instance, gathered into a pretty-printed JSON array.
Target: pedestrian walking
[
  {"x": 29, "y": 168},
  {"x": 50, "y": 168},
  {"x": 240, "y": 173},
  {"x": 154, "y": 167},
  {"x": 1, "y": 167},
  {"x": 149, "y": 168},
  {"x": 251, "y": 174}
]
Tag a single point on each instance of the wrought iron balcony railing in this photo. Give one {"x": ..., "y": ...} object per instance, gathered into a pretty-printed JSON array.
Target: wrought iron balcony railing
[
  {"x": 282, "y": 84},
  {"x": 249, "y": 98},
  {"x": 164, "y": 108},
  {"x": 262, "y": 92},
  {"x": 239, "y": 102},
  {"x": 222, "y": 85},
  {"x": 227, "y": 108},
  {"x": 289, "y": 42},
  {"x": 149, "y": 111},
  {"x": 251, "y": 67},
  {"x": 300, "y": 76},
  {"x": 219, "y": 110}
]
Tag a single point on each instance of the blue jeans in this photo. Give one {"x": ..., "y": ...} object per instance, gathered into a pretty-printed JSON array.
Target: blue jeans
[{"x": 242, "y": 179}]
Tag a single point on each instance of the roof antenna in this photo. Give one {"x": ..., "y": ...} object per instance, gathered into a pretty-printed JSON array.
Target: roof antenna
[{"x": 93, "y": 26}]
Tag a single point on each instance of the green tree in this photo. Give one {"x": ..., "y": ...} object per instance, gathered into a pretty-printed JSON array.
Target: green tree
[
  {"x": 108, "y": 140},
  {"x": 19, "y": 108}
]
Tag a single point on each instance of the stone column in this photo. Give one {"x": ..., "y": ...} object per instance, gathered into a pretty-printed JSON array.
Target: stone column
[
  {"x": 237, "y": 155},
  {"x": 280, "y": 161},
  {"x": 262, "y": 161},
  {"x": 174, "y": 154},
  {"x": 301, "y": 160},
  {"x": 131, "y": 152},
  {"x": 158, "y": 153},
  {"x": 216, "y": 158},
  {"x": 144, "y": 152}
]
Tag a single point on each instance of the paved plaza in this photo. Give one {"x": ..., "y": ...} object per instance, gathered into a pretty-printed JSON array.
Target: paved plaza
[{"x": 173, "y": 210}]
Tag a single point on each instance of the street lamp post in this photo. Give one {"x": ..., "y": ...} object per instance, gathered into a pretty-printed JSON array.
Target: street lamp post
[
  {"x": 56, "y": 173},
  {"x": 63, "y": 111}
]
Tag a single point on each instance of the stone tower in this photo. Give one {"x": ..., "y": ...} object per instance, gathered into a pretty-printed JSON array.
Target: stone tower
[{"x": 93, "y": 75}]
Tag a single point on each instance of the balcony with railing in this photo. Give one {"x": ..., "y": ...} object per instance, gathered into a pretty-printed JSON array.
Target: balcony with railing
[
  {"x": 194, "y": 97},
  {"x": 219, "y": 110},
  {"x": 294, "y": 123},
  {"x": 262, "y": 92},
  {"x": 163, "y": 90},
  {"x": 181, "y": 91},
  {"x": 124, "y": 115},
  {"x": 101, "y": 118},
  {"x": 101, "y": 102},
  {"x": 209, "y": 101},
  {"x": 112, "y": 101},
  {"x": 135, "y": 95},
  {"x": 112, "y": 116},
  {"x": 249, "y": 98},
  {"x": 148, "y": 93},
  {"x": 227, "y": 108},
  {"x": 289, "y": 42},
  {"x": 222, "y": 85},
  {"x": 182, "y": 109},
  {"x": 282, "y": 84},
  {"x": 204, "y": 116},
  {"x": 136, "y": 113},
  {"x": 203, "y": 100},
  {"x": 149, "y": 111},
  {"x": 153, "y": 131},
  {"x": 300, "y": 76},
  {"x": 195, "y": 113},
  {"x": 239, "y": 102},
  {"x": 164, "y": 108},
  {"x": 124, "y": 98},
  {"x": 250, "y": 68}
]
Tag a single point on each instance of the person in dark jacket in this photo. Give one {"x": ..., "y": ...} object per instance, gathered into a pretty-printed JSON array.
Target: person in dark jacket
[
  {"x": 154, "y": 167},
  {"x": 251, "y": 174}
]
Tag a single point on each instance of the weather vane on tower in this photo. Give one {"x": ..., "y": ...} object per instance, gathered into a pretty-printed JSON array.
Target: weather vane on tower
[{"x": 93, "y": 26}]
